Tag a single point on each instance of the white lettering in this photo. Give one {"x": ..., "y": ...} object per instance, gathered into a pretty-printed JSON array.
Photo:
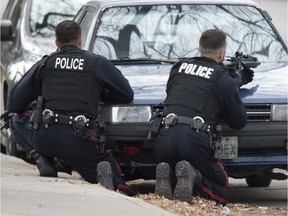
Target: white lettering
[
  {"x": 201, "y": 72},
  {"x": 69, "y": 63},
  {"x": 81, "y": 63},
  {"x": 183, "y": 66},
  {"x": 208, "y": 73},
  {"x": 189, "y": 68},
  {"x": 197, "y": 70},
  {"x": 57, "y": 62},
  {"x": 63, "y": 63},
  {"x": 193, "y": 70},
  {"x": 74, "y": 63}
]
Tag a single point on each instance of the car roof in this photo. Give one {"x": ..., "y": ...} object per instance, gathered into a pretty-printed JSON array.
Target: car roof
[{"x": 111, "y": 3}]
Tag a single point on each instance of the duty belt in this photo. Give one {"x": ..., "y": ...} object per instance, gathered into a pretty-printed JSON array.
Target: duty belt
[
  {"x": 80, "y": 121},
  {"x": 196, "y": 123}
]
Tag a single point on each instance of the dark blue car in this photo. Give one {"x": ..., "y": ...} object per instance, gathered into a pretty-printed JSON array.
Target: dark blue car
[{"x": 144, "y": 38}]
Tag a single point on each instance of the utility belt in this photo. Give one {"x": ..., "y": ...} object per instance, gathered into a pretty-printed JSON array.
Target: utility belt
[
  {"x": 196, "y": 123},
  {"x": 79, "y": 122}
]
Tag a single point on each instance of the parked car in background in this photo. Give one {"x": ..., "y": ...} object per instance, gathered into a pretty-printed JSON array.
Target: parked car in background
[
  {"x": 144, "y": 38},
  {"x": 27, "y": 34}
]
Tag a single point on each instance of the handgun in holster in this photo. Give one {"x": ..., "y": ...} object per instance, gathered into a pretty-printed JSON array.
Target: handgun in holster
[
  {"x": 155, "y": 125},
  {"x": 36, "y": 117}
]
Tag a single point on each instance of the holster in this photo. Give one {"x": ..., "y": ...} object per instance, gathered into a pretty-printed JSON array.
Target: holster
[
  {"x": 154, "y": 127},
  {"x": 36, "y": 117}
]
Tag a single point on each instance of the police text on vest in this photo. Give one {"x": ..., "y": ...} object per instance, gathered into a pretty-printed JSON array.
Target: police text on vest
[
  {"x": 197, "y": 70},
  {"x": 69, "y": 63}
]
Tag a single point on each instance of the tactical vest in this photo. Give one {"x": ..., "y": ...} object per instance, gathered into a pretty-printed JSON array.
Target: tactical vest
[
  {"x": 69, "y": 82},
  {"x": 191, "y": 90}
]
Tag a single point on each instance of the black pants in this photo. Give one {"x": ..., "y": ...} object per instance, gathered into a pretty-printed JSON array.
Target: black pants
[
  {"x": 180, "y": 142},
  {"x": 58, "y": 141}
]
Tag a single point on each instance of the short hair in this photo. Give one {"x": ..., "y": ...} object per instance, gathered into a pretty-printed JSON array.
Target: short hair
[
  {"x": 67, "y": 31},
  {"x": 212, "y": 39}
]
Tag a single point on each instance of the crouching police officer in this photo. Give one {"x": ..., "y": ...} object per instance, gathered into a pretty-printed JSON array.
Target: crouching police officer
[
  {"x": 68, "y": 85},
  {"x": 199, "y": 92}
]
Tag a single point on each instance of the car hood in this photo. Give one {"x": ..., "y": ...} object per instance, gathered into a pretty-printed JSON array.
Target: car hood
[
  {"x": 149, "y": 83},
  {"x": 37, "y": 47}
]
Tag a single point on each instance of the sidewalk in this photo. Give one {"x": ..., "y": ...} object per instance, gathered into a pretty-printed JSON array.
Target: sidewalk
[{"x": 24, "y": 192}]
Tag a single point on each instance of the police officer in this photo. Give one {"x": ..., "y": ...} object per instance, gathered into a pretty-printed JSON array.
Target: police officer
[
  {"x": 199, "y": 92},
  {"x": 70, "y": 83}
]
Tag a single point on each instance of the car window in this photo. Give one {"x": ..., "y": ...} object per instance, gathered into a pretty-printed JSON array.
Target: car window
[
  {"x": 85, "y": 23},
  {"x": 173, "y": 31},
  {"x": 43, "y": 20},
  {"x": 12, "y": 12}
]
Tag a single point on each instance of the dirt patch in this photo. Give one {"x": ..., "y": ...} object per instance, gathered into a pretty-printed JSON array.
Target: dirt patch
[
  {"x": 199, "y": 206},
  {"x": 202, "y": 207}
]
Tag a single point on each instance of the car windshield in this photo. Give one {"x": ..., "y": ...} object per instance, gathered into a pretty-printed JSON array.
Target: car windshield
[
  {"x": 45, "y": 15},
  {"x": 173, "y": 31}
]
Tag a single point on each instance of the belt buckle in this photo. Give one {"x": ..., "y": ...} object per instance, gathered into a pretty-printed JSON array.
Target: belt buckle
[{"x": 170, "y": 119}]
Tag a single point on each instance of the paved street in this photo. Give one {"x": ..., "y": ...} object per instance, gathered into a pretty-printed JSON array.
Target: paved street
[{"x": 274, "y": 195}]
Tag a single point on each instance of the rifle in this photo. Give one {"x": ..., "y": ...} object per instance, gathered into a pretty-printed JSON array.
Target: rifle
[
  {"x": 239, "y": 67},
  {"x": 240, "y": 61}
]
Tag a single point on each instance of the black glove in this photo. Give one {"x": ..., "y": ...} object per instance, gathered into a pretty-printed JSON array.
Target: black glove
[{"x": 242, "y": 77}]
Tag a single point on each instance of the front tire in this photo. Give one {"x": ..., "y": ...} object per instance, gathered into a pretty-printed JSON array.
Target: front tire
[{"x": 258, "y": 181}]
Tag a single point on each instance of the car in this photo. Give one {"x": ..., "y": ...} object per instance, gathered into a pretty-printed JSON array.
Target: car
[
  {"x": 145, "y": 38},
  {"x": 27, "y": 34}
]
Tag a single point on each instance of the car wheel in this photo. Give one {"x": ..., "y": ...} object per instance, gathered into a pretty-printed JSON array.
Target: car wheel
[
  {"x": 258, "y": 181},
  {"x": 12, "y": 150}
]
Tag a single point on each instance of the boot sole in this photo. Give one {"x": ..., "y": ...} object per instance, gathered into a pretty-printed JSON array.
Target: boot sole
[
  {"x": 163, "y": 183},
  {"x": 184, "y": 186},
  {"x": 104, "y": 175}
]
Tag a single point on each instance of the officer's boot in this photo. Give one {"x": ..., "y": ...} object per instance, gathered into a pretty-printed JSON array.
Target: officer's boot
[
  {"x": 165, "y": 180},
  {"x": 105, "y": 175},
  {"x": 44, "y": 164},
  {"x": 61, "y": 166},
  {"x": 186, "y": 177}
]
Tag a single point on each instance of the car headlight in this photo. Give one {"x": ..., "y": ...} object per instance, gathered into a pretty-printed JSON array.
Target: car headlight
[
  {"x": 279, "y": 112},
  {"x": 131, "y": 114}
]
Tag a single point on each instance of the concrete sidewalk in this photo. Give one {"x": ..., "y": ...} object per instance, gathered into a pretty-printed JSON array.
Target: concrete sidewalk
[{"x": 24, "y": 192}]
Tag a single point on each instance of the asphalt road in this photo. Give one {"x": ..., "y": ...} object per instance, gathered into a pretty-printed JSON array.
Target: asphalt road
[{"x": 274, "y": 195}]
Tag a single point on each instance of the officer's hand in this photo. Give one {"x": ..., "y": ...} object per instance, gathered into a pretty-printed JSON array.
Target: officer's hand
[
  {"x": 242, "y": 77},
  {"x": 246, "y": 75}
]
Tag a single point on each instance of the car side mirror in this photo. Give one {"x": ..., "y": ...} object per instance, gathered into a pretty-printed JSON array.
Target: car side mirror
[{"x": 6, "y": 30}]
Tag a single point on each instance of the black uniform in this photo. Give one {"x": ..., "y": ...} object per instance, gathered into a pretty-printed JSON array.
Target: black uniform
[
  {"x": 199, "y": 87},
  {"x": 72, "y": 81}
]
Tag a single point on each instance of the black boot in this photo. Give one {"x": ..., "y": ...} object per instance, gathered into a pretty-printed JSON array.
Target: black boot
[
  {"x": 165, "y": 180},
  {"x": 105, "y": 175},
  {"x": 186, "y": 177},
  {"x": 44, "y": 164},
  {"x": 61, "y": 166}
]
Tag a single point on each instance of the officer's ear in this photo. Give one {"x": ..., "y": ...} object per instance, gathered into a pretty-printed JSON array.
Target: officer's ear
[
  {"x": 80, "y": 42},
  {"x": 221, "y": 55},
  {"x": 58, "y": 44}
]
